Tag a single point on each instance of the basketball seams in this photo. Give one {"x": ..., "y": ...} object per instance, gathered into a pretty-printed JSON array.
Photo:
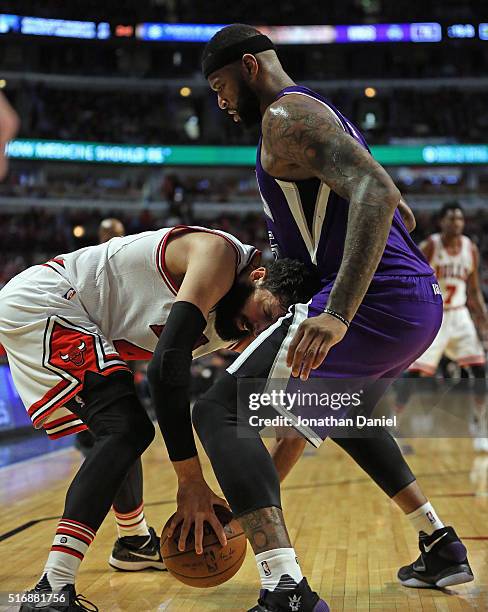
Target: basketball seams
[
  {"x": 210, "y": 576},
  {"x": 191, "y": 551}
]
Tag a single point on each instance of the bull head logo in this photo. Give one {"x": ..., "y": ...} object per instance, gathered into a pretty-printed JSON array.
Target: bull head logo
[{"x": 76, "y": 355}]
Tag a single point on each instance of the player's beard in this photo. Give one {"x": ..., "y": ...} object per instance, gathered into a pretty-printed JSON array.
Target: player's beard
[
  {"x": 228, "y": 309},
  {"x": 248, "y": 106}
]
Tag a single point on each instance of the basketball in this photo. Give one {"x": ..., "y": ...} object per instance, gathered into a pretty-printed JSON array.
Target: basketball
[{"x": 215, "y": 565}]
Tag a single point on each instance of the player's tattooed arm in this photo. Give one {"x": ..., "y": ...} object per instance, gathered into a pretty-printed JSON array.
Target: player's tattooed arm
[
  {"x": 302, "y": 138},
  {"x": 475, "y": 299}
]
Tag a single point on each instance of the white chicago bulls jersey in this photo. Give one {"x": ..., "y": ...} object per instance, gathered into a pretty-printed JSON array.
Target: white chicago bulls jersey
[
  {"x": 127, "y": 291},
  {"x": 452, "y": 270},
  {"x": 88, "y": 311}
]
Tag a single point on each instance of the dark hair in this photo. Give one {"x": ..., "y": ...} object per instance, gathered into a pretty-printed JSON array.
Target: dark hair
[
  {"x": 448, "y": 206},
  {"x": 291, "y": 281},
  {"x": 231, "y": 34}
]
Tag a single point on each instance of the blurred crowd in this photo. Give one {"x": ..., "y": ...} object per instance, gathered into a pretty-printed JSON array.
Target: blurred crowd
[
  {"x": 36, "y": 235},
  {"x": 180, "y": 189},
  {"x": 137, "y": 185},
  {"x": 33, "y": 236},
  {"x": 164, "y": 117}
]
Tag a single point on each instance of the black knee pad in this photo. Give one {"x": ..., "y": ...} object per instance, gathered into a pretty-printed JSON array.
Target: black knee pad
[
  {"x": 112, "y": 408},
  {"x": 138, "y": 430}
]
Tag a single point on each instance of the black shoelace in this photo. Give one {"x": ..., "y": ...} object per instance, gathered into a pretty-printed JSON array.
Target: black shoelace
[{"x": 79, "y": 601}]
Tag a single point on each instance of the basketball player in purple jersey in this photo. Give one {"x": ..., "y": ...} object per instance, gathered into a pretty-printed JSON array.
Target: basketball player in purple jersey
[{"x": 330, "y": 205}]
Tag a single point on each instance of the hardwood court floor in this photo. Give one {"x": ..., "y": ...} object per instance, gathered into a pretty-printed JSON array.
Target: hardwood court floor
[{"x": 350, "y": 539}]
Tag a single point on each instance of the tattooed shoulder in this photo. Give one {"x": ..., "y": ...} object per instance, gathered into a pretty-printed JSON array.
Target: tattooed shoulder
[{"x": 304, "y": 134}]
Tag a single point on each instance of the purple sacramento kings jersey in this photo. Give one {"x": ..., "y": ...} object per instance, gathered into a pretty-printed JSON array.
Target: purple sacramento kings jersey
[{"x": 307, "y": 221}]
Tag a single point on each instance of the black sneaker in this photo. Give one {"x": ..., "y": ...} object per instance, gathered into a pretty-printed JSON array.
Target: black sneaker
[
  {"x": 130, "y": 557},
  {"x": 301, "y": 599},
  {"x": 42, "y": 597},
  {"x": 442, "y": 563}
]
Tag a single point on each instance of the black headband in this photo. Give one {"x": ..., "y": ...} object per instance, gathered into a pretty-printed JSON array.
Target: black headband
[{"x": 234, "y": 52}]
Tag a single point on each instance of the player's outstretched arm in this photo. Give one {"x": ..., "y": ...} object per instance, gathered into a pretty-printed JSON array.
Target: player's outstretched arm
[
  {"x": 209, "y": 274},
  {"x": 302, "y": 138}
]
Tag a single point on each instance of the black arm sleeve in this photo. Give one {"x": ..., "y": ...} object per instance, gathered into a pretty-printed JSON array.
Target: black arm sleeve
[{"x": 168, "y": 374}]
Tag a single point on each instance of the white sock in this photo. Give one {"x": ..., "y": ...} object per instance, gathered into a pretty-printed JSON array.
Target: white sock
[
  {"x": 425, "y": 519},
  {"x": 131, "y": 523},
  {"x": 279, "y": 568},
  {"x": 69, "y": 547}
]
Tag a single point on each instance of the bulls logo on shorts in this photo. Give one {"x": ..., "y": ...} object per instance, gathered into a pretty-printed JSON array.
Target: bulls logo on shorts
[
  {"x": 72, "y": 349},
  {"x": 69, "y": 351},
  {"x": 76, "y": 356}
]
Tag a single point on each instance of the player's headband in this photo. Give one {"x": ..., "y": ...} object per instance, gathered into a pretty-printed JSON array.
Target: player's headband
[{"x": 234, "y": 52}]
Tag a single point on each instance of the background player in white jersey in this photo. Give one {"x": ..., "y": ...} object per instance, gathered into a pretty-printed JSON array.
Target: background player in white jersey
[
  {"x": 455, "y": 260},
  {"x": 69, "y": 325}
]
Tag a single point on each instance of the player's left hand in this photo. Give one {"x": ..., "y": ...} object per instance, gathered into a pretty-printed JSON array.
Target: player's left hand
[
  {"x": 196, "y": 502},
  {"x": 313, "y": 340}
]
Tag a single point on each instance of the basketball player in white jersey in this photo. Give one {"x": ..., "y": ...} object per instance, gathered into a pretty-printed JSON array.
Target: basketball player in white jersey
[
  {"x": 455, "y": 260},
  {"x": 69, "y": 326}
]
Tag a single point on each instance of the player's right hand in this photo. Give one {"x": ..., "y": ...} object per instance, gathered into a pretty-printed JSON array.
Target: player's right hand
[
  {"x": 196, "y": 502},
  {"x": 311, "y": 343}
]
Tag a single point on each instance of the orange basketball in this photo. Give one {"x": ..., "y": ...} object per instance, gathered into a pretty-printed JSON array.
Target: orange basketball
[{"x": 215, "y": 565}]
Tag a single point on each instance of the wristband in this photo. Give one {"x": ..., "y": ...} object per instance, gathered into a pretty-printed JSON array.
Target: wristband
[{"x": 335, "y": 314}]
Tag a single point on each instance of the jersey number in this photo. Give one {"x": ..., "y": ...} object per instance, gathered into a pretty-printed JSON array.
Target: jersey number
[{"x": 450, "y": 291}]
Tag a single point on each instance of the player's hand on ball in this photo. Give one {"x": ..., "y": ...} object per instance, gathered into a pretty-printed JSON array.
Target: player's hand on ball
[
  {"x": 313, "y": 340},
  {"x": 196, "y": 502}
]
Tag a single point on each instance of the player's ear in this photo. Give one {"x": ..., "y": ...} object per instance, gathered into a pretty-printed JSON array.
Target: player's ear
[
  {"x": 259, "y": 274},
  {"x": 250, "y": 66}
]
